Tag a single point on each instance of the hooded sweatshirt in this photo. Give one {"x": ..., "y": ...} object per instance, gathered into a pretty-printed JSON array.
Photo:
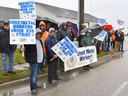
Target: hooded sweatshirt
[
  {"x": 39, "y": 47},
  {"x": 44, "y": 34},
  {"x": 62, "y": 33},
  {"x": 49, "y": 43},
  {"x": 86, "y": 40}
]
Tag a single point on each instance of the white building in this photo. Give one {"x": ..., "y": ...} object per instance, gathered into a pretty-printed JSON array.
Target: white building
[
  {"x": 43, "y": 10},
  {"x": 63, "y": 15}
]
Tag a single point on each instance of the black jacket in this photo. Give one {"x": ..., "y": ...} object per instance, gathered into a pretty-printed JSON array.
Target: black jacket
[
  {"x": 72, "y": 36},
  {"x": 62, "y": 33},
  {"x": 31, "y": 53},
  {"x": 5, "y": 46},
  {"x": 121, "y": 38},
  {"x": 49, "y": 43}
]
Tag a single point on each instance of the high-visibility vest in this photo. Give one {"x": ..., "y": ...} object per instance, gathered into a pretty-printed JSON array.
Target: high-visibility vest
[
  {"x": 100, "y": 48},
  {"x": 113, "y": 37}
]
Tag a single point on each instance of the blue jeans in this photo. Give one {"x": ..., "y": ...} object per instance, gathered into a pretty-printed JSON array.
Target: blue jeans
[
  {"x": 42, "y": 65},
  {"x": 108, "y": 45},
  {"x": 121, "y": 46},
  {"x": 34, "y": 70},
  {"x": 10, "y": 63},
  {"x": 105, "y": 45}
]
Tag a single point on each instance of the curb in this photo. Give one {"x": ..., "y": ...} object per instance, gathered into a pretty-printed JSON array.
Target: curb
[{"x": 26, "y": 80}]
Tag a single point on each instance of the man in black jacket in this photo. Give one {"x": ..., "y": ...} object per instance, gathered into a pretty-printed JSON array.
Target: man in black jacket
[
  {"x": 6, "y": 49},
  {"x": 61, "y": 34},
  {"x": 121, "y": 40},
  {"x": 34, "y": 55}
]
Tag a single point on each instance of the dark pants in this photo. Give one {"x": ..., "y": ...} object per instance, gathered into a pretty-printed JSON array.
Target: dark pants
[
  {"x": 61, "y": 63},
  {"x": 108, "y": 46},
  {"x": 52, "y": 69},
  {"x": 98, "y": 46},
  {"x": 113, "y": 44},
  {"x": 121, "y": 46}
]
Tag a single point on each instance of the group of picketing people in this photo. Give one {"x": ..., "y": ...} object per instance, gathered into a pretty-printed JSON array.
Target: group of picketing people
[{"x": 46, "y": 38}]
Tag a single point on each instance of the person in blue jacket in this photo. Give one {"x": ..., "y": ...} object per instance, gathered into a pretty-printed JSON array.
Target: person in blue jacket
[{"x": 52, "y": 65}]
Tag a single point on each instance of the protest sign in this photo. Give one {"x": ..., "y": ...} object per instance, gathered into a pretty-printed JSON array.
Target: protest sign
[
  {"x": 22, "y": 31},
  {"x": 65, "y": 49},
  {"x": 27, "y": 10},
  {"x": 85, "y": 56},
  {"x": 101, "y": 35},
  {"x": 76, "y": 43},
  {"x": 101, "y": 21}
]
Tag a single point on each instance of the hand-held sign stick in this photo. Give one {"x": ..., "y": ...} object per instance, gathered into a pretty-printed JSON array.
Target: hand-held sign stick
[{"x": 22, "y": 52}]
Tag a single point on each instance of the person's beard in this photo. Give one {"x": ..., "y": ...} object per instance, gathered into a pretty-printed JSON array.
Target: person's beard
[{"x": 7, "y": 28}]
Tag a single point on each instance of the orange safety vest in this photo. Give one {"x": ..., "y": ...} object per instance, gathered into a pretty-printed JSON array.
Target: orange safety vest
[
  {"x": 100, "y": 48},
  {"x": 44, "y": 36},
  {"x": 113, "y": 37}
]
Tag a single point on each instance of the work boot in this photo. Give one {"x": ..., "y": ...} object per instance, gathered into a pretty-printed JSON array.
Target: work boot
[
  {"x": 85, "y": 68},
  {"x": 12, "y": 72},
  {"x": 58, "y": 79},
  {"x": 33, "y": 92},
  {"x": 5, "y": 73},
  {"x": 90, "y": 67},
  {"x": 38, "y": 86},
  {"x": 42, "y": 69},
  {"x": 62, "y": 69},
  {"x": 50, "y": 82}
]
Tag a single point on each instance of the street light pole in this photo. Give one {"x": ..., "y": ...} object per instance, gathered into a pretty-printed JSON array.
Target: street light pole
[{"x": 81, "y": 14}]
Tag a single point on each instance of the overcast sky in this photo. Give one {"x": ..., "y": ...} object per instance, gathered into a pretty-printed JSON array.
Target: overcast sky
[{"x": 111, "y": 10}]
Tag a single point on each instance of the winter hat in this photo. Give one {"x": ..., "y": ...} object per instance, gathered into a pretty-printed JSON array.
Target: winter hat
[
  {"x": 69, "y": 28},
  {"x": 38, "y": 30},
  {"x": 51, "y": 29},
  {"x": 6, "y": 22}
]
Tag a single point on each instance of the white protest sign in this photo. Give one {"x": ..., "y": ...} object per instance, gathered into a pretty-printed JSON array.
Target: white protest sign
[
  {"x": 22, "y": 31},
  {"x": 85, "y": 56},
  {"x": 101, "y": 36},
  {"x": 27, "y": 10},
  {"x": 65, "y": 49}
]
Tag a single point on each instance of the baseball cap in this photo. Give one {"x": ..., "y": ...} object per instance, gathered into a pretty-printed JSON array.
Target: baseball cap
[{"x": 6, "y": 22}]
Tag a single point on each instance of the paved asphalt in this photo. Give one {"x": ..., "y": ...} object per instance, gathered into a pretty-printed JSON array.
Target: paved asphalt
[{"x": 108, "y": 78}]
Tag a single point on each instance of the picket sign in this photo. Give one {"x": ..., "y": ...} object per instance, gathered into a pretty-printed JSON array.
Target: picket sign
[
  {"x": 27, "y": 10},
  {"x": 85, "y": 56}
]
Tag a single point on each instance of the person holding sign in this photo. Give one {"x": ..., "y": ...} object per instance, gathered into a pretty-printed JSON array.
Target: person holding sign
[
  {"x": 52, "y": 63},
  {"x": 34, "y": 55},
  {"x": 86, "y": 41},
  {"x": 45, "y": 34},
  {"x": 61, "y": 34},
  {"x": 6, "y": 49}
]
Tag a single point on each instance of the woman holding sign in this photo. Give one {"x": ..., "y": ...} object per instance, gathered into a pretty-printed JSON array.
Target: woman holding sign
[
  {"x": 34, "y": 55},
  {"x": 52, "y": 64}
]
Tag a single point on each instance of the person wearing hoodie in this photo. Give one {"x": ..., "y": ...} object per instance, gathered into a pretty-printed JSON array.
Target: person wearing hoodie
[
  {"x": 105, "y": 41},
  {"x": 86, "y": 41},
  {"x": 121, "y": 40},
  {"x": 34, "y": 55},
  {"x": 71, "y": 33},
  {"x": 61, "y": 34},
  {"x": 6, "y": 50},
  {"x": 42, "y": 27},
  {"x": 52, "y": 65}
]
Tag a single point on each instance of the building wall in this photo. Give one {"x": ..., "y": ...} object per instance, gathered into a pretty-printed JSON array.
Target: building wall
[
  {"x": 1, "y": 24},
  {"x": 44, "y": 13}
]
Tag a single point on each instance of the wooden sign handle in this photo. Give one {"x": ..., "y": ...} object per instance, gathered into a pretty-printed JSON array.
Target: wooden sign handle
[{"x": 22, "y": 52}]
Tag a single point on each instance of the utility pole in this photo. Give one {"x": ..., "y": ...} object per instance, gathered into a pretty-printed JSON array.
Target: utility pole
[{"x": 81, "y": 14}]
